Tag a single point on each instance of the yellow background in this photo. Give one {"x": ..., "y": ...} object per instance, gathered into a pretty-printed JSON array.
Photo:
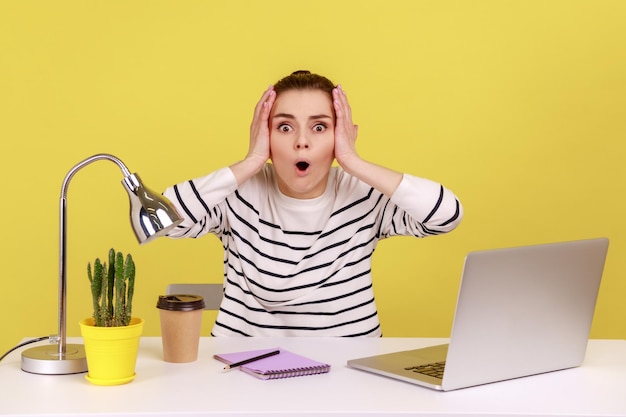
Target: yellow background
[{"x": 517, "y": 106}]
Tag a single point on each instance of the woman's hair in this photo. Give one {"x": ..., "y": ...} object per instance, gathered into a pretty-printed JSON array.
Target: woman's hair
[{"x": 304, "y": 80}]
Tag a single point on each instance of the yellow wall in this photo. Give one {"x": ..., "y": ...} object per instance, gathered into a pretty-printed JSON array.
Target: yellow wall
[{"x": 518, "y": 106}]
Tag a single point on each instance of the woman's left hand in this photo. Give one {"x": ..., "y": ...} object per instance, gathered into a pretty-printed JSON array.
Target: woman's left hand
[{"x": 345, "y": 130}]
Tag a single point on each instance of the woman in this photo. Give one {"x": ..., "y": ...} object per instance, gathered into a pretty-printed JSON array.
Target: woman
[{"x": 299, "y": 234}]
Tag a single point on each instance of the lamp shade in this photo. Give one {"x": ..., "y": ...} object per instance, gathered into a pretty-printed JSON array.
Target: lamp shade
[{"x": 151, "y": 215}]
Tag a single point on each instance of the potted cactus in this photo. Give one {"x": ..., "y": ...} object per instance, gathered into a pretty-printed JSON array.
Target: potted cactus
[
  {"x": 112, "y": 289},
  {"x": 111, "y": 335}
]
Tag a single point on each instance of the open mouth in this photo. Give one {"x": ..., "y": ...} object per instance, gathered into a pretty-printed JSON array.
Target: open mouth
[{"x": 302, "y": 166}]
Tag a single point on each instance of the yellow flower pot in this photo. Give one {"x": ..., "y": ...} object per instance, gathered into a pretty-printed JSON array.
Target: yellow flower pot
[{"x": 111, "y": 351}]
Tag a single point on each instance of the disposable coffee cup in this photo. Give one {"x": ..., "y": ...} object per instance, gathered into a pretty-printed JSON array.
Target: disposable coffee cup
[{"x": 181, "y": 320}]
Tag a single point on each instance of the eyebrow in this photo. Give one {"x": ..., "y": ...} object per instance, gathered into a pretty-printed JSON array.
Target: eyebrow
[{"x": 291, "y": 116}]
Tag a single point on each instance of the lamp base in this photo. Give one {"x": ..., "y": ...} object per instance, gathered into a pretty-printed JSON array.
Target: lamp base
[{"x": 46, "y": 360}]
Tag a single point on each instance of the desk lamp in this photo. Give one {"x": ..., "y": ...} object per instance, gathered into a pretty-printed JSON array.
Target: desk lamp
[{"x": 151, "y": 216}]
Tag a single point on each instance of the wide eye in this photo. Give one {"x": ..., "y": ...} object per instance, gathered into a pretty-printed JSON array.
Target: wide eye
[
  {"x": 284, "y": 127},
  {"x": 320, "y": 127}
]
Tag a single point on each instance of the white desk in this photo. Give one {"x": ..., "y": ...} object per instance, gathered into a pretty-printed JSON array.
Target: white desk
[{"x": 202, "y": 388}]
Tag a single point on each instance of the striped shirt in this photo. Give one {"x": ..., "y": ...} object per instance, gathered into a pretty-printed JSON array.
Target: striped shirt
[{"x": 303, "y": 267}]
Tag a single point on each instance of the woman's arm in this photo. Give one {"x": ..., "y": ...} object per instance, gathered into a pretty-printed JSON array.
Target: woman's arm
[
  {"x": 198, "y": 199},
  {"x": 433, "y": 208}
]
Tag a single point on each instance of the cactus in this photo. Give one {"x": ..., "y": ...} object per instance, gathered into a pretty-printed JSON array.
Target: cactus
[
  {"x": 112, "y": 289},
  {"x": 111, "y": 282},
  {"x": 129, "y": 276},
  {"x": 96, "y": 289}
]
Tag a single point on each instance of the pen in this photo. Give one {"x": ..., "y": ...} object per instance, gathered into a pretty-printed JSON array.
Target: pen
[{"x": 256, "y": 358}]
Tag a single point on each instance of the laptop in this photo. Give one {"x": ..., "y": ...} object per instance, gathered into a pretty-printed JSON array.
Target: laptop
[{"x": 520, "y": 311}]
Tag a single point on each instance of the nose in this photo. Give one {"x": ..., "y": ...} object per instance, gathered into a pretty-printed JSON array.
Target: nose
[{"x": 302, "y": 142}]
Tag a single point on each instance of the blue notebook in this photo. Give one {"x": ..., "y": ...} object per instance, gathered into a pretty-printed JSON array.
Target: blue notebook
[{"x": 284, "y": 365}]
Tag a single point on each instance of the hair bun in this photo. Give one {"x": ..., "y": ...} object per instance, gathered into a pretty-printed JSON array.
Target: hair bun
[{"x": 304, "y": 80}]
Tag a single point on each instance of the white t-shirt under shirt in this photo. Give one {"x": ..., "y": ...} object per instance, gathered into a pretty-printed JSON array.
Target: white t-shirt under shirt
[{"x": 303, "y": 267}]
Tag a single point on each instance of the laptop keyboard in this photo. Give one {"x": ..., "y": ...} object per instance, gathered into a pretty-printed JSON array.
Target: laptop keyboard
[{"x": 434, "y": 369}]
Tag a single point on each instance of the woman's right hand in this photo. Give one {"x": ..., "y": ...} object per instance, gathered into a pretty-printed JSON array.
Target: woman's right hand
[{"x": 259, "y": 148}]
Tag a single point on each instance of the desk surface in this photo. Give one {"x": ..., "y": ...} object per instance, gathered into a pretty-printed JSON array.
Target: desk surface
[{"x": 202, "y": 388}]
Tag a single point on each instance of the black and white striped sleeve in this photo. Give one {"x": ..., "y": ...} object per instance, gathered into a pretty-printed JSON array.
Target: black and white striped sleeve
[
  {"x": 421, "y": 208},
  {"x": 199, "y": 203}
]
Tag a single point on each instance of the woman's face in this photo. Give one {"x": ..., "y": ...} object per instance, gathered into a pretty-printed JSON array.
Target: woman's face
[{"x": 302, "y": 141}]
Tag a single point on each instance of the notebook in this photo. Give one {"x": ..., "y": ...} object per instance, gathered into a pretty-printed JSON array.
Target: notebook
[
  {"x": 520, "y": 311},
  {"x": 284, "y": 365}
]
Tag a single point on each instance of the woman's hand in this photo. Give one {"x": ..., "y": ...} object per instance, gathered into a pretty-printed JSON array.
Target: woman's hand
[
  {"x": 259, "y": 148},
  {"x": 259, "y": 128},
  {"x": 345, "y": 130},
  {"x": 383, "y": 179}
]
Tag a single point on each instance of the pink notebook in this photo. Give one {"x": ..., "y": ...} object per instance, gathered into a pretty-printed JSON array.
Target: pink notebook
[{"x": 284, "y": 365}]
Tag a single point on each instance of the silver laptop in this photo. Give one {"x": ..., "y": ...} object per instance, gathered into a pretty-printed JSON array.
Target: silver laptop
[{"x": 520, "y": 311}]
